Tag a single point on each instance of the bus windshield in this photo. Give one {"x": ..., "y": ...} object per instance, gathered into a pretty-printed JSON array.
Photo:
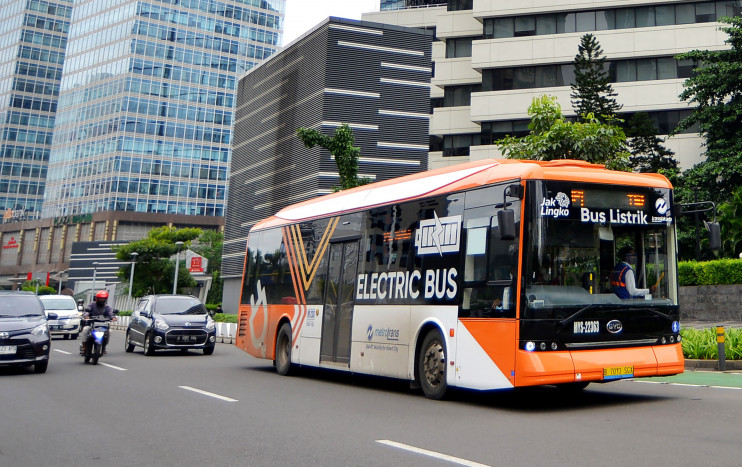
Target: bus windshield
[{"x": 588, "y": 245}]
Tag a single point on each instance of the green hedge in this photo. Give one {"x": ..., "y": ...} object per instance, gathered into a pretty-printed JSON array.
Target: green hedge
[{"x": 717, "y": 272}]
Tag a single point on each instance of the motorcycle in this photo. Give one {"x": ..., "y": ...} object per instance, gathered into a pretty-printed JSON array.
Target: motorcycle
[{"x": 99, "y": 332}]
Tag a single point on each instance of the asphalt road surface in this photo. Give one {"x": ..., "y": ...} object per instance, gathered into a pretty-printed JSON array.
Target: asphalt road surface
[{"x": 229, "y": 409}]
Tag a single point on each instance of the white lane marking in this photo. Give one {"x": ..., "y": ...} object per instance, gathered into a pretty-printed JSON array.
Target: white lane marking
[
  {"x": 688, "y": 385},
  {"x": 210, "y": 394},
  {"x": 113, "y": 366},
  {"x": 62, "y": 351},
  {"x": 425, "y": 452}
]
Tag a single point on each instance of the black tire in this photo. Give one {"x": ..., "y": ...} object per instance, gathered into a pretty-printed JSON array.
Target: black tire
[
  {"x": 41, "y": 366},
  {"x": 431, "y": 366},
  {"x": 73, "y": 337},
  {"x": 66, "y": 336},
  {"x": 283, "y": 350},
  {"x": 97, "y": 351},
  {"x": 209, "y": 350},
  {"x": 128, "y": 346},
  {"x": 149, "y": 349}
]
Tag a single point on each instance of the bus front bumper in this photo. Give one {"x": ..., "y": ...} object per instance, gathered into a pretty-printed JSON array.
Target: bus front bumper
[{"x": 537, "y": 368}]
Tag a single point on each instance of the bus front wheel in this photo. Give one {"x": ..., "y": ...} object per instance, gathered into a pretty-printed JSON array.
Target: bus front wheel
[
  {"x": 283, "y": 350},
  {"x": 432, "y": 366}
]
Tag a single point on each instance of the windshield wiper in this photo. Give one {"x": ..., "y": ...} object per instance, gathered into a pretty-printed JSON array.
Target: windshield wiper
[{"x": 655, "y": 312}]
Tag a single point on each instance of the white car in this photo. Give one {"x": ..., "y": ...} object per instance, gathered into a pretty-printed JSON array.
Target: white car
[{"x": 67, "y": 323}]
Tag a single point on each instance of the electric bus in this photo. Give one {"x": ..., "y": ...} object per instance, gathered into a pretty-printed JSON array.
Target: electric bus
[{"x": 488, "y": 275}]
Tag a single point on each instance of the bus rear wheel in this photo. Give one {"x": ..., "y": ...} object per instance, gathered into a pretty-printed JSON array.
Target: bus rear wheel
[
  {"x": 283, "y": 350},
  {"x": 432, "y": 366}
]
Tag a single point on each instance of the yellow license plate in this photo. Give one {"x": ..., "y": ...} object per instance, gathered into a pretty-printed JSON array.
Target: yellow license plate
[{"x": 618, "y": 372}]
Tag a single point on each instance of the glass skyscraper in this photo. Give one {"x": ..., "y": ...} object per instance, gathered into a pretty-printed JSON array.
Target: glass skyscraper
[
  {"x": 33, "y": 37},
  {"x": 398, "y": 4},
  {"x": 147, "y": 101}
]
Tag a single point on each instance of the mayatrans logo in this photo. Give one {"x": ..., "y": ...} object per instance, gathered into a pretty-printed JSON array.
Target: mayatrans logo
[{"x": 438, "y": 235}]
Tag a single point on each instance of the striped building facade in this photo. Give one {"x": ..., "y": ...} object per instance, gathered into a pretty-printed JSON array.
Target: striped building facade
[{"x": 374, "y": 77}]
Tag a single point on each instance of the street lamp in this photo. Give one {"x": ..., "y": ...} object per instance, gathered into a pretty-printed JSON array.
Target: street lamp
[
  {"x": 131, "y": 274},
  {"x": 177, "y": 266},
  {"x": 95, "y": 272}
]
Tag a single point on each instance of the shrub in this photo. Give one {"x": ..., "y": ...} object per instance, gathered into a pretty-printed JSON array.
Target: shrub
[
  {"x": 687, "y": 273},
  {"x": 225, "y": 318},
  {"x": 701, "y": 344},
  {"x": 717, "y": 272}
]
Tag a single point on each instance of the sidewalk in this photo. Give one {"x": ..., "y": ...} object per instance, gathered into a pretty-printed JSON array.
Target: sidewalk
[{"x": 698, "y": 324}]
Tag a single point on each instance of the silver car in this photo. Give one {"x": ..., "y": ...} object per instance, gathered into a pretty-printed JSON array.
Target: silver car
[{"x": 67, "y": 323}]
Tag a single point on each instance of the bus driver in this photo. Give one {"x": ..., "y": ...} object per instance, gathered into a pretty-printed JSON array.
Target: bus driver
[{"x": 623, "y": 278}]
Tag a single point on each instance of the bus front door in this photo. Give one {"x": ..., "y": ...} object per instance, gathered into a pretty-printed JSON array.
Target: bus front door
[{"x": 338, "y": 309}]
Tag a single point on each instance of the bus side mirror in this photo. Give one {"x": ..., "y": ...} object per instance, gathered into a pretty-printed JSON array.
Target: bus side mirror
[
  {"x": 506, "y": 222},
  {"x": 714, "y": 235}
]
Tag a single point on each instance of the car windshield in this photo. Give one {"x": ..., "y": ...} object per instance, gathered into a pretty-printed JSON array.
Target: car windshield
[
  {"x": 19, "y": 305},
  {"x": 58, "y": 304},
  {"x": 180, "y": 306},
  {"x": 582, "y": 242}
]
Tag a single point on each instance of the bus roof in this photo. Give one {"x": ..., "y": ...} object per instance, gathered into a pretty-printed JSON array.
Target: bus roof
[{"x": 456, "y": 178}]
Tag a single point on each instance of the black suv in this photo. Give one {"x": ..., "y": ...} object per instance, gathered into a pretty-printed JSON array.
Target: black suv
[
  {"x": 171, "y": 322},
  {"x": 24, "y": 334}
]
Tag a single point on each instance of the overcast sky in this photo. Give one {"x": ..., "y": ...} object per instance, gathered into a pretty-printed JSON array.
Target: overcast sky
[{"x": 303, "y": 15}]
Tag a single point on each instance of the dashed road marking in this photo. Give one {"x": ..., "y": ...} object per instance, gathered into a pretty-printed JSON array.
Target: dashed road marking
[
  {"x": 112, "y": 366},
  {"x": 210, "y": 394},
  {"x": 62, "y": 351},
  {"x": 425, "y": 452}
]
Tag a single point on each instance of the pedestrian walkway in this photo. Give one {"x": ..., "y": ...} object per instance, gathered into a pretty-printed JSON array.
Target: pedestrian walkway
[{"x": 697, "y": 324}]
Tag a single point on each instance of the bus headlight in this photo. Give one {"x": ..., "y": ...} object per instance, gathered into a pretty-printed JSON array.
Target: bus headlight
[{"x": 530, "y": 346}]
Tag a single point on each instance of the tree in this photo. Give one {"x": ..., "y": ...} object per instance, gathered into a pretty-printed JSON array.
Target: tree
[
  {"x": 647, "y": 152},
  {"x": 341, "y": 146},
  {"x": 715, "y": 89},
  {"x": 210, "y": 245},
  {"x": 730, "y": 220},
  {"x": 552, "y": 137},
  {"x": 592, "y": 92},
  {"x": 155, "y": 271}
]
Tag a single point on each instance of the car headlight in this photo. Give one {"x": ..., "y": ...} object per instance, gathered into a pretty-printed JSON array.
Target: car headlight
[
  {"x": 210, "y": 325},
  {"x": 40, "y": 330},
  {"x": 161, "y": 325}
]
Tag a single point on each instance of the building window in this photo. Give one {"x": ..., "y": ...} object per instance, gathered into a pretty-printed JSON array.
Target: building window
[
  {"x": 456, "y": 96},
  {"x": 458, "y": 5},
  {"x": 460, "y": 47},
  {"x": 458, "y": 145},
  {"x": 615, "y": 18},
  {"x": 619, "y": 71}
]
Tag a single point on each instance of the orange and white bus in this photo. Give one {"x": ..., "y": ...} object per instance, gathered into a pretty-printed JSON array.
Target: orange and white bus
[{"x": 487, "y": 275}]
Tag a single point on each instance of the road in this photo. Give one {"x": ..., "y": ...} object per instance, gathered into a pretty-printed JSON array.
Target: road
[{"x": 231, "y": 409}]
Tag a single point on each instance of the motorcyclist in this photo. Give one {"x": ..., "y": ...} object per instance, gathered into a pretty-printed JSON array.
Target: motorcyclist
[{"x": 96, "y": 309}]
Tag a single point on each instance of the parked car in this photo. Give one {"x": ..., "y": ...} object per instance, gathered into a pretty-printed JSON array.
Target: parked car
[
  {"x": 67, "y": 323},
  {"x": 24, "y": 333},
  {"x": 170, "y": 322}
]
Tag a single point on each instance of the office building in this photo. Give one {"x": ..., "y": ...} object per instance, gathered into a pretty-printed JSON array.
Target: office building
[
  {"x": 33, "y": 38},
  {"x": 147, "y": 102},
  {"x": 492, "y": 57},
  {"x": 374, "y": 77},
  {"x": 143, "y": 129}
]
